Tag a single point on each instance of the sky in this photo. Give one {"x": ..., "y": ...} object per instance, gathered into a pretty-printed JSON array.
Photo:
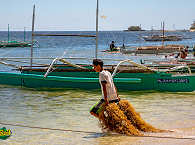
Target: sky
[{"x": 79, "y": 15}]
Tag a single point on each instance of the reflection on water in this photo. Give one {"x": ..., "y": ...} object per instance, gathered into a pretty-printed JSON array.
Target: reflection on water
[{"x": 69, "y": 110}]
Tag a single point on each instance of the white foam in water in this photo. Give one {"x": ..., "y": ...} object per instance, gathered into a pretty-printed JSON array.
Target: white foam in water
[{"x": 190, "y": 137}]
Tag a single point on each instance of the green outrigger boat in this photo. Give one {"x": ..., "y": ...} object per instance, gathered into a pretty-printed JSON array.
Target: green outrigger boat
[{"x": 126, "y": 77}]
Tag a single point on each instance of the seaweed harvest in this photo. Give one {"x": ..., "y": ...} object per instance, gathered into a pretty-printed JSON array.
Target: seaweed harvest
[{"x": 123, "y": 118}]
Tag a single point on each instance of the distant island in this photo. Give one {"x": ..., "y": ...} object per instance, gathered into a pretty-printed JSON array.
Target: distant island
[{"x": 134, "y": 28}]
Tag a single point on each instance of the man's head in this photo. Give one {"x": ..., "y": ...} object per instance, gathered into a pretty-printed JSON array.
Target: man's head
[{"x": 98, "y": 65}]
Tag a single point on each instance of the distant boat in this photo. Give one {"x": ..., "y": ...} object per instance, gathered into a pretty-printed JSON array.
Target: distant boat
[
  {"x": 159, "y": 49},
  {"x": 11, "y": 43},
  {"x": 162, "y": 38},
  {"x": 15, "y": 44}
]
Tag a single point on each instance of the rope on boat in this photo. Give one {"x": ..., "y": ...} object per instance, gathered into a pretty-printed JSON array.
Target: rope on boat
[
  {"x": 148, "y": 68},
  {"x": 131, "y": 62},
  {"x": 178, "y": 67},
  {"x": 16, "y": 66},
  {"x": 74, "y": 65},
  {"x": 25, "y": 62},
  {"x": 90, "y": 132},
  {"x": 64, "y": 61},
  {"x": 12, "y": 65},
  {"x": 50, "y": 67}
]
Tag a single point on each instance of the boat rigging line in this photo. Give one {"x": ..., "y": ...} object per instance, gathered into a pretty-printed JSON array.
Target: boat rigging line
[{"x": 148, "y": 68}]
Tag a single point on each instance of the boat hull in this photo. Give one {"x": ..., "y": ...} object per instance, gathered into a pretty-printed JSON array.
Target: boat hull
[{"x": 123, "y": 81}]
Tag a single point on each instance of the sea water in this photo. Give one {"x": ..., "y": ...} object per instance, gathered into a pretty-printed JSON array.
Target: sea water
[
  {"x": 52, "y": 47},
  {"x": 67, "y": 111}
]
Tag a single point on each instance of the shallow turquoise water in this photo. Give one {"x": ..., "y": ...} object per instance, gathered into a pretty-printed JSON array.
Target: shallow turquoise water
[{"x": 69, "y": 110}]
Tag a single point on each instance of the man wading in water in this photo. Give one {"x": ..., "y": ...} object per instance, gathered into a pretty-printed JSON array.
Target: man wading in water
[
  {"x": 114, "y": 114},
  {"x": 109, "y": 92}
]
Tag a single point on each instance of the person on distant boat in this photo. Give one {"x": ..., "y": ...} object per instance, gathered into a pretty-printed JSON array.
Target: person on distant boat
[
  {"x": 112, "y": 46},
  {"x": 186, "y": 49},
  {"x": 183, "y": 54},
  {"x": 194, "y": 50}
]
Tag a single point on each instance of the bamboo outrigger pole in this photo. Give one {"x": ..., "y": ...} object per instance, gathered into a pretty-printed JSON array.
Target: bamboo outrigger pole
[
  {"x": 97, "y": 11},
  {"x": 72, "y": 35},
  {"x": 33, "y": 23}
]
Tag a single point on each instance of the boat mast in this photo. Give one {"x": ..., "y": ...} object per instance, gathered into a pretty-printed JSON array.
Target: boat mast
[
  {"x": 163, "y": 31},
  {"x": 8, "y": 33},
  {"x": 24, "y": 34},
  {"x": 33, "y": 22},
  {"x": 97, "y": 11}
]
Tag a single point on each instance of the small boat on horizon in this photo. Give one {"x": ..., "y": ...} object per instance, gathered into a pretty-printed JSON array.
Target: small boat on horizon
[
  {"x": 15, "y": 44},
  {"x": 158, "y": 49},
  {"x": 162, "y": 38}
]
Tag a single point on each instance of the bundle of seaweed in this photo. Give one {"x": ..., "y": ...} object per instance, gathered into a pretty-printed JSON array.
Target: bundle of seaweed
[
  {"x": 114, "y": 119},
  {"x": 123, "y": 119},
  {"x": 135, "y": 117}
]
